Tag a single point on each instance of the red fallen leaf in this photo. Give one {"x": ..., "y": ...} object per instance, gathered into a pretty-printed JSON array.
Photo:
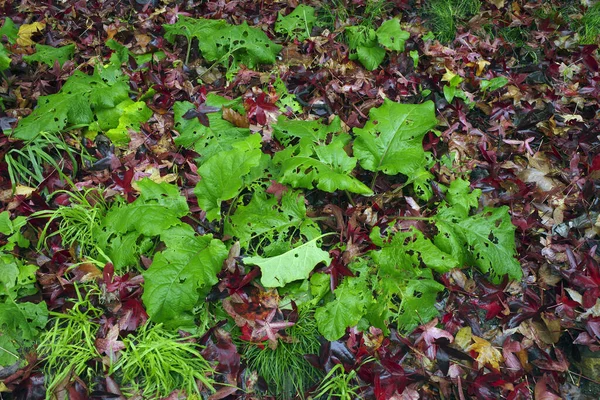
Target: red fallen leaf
[
  {"x": 541, "y": 391},
  {"x": 560, "y": 365},
  {"x": 595, "y": 163},
  {"x": 260, "y": 109},
  {"x": 134, "y": 315},
  {"x": 512, "y": 361},
  {"x": 110, "y": 345},
  {"x": 430, "y": 335}
]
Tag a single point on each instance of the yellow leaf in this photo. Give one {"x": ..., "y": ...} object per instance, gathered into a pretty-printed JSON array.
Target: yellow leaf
[
  {"x": 486, "y": 354},
  {"x": 447, "y": 77},
  {"x": 26, "y": 31},
  {"x": 463, "y": 337},
  {"x": 481, "y": 64}
]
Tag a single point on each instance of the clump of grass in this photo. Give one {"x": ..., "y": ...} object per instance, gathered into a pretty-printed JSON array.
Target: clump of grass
[
  {"x": 287, "y": 373},
  {"x": 589, "y": 32},
  {"x": 68, "y": 347},
  {"x": 444, "y": 16},
  {"x": 77, "y": 221},
  {"x": 336, "y": 14},
  {"x": 156, "y": 362},
  {"x": 28, "y": 164},
  {"x": 338, "y": 384}
]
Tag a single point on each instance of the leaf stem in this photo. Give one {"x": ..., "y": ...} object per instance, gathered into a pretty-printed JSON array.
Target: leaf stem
[
  {"x": 373, "y": 181},
  {"x": 415, "y": 218}
]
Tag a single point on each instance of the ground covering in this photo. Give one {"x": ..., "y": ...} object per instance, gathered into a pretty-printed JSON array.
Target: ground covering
[{"x": 318, "y": 199}]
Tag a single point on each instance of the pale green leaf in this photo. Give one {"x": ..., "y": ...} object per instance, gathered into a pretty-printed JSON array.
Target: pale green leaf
[
  {"x": 297, "y": 24},
  {"x": 391, "y": 36},
  {"x": 131, "y": 115},
  {"x": 293, "y": 265}
]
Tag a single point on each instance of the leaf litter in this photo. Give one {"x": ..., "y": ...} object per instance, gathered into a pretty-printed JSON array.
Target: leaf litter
[{"x": 396, "y": 204}]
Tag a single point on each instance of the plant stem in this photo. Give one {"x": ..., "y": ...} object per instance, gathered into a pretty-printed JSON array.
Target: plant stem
[{"x": 415, "y": 218}]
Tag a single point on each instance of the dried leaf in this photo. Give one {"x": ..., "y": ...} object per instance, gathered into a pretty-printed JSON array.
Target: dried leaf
[{"x": 486, "y": 353}]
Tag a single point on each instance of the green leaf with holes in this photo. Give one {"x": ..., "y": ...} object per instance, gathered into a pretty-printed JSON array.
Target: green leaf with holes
[
  {"x": 79, "y": 100},
  {"x": 48, "y": 54},
  {"x": 270, "y": 226},
  {"x": 391, "y": 140},
  {"x": 293, "y": 265},
  {"x": 225, "y": 44},
  {"x": 313, "y": 162}
]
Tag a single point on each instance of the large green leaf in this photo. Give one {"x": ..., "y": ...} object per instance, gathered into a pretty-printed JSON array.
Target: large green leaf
[
  {"x": 80, "y": 97},
  {"x": 391, "y": 141},
  {"x": 291, "y": 266},
  {"x": 223, "y": 176},
  {"x": 230, "y": 45},
  {"x": 391, "y": 36},
  {"x": 131, "y": 116},
  {"x": 48, "y": 54},
  {"x": 267, "y": 225},
  {"x": 20, "y": 325},
  {"x": 297, "y": 24},
  {"x": 207, "y": 141},
  {"x": 351, "y": 300},
  {"x": 158, "y": 208},
  {"x": 181, "y": 275},
  {"x": 312, "y": 162},
  {"x": 490, "y": 236}
]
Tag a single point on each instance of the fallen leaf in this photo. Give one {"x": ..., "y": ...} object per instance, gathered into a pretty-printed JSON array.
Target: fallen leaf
[
  {"x": 26, "y": 31},
  {"x": 486, "y": 353}
]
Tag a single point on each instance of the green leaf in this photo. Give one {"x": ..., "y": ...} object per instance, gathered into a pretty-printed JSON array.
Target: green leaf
[
  {"x": 158, "y": 208},
  {"x": 291, "y": 266},
  {"x": 391, "y": 141},
  {"x": 223, "y": 176},
  {"x": 75, "y": 104},
  {"x": 270, "y": 226},
  {"x": 219, "y": 42},
  {"x": 493, "y": 84},
  {"x": 370, "y": 57},
  {"x": 328, "y": 167},
  {"x": 10, "y": 30},
  {"x": 449, "y": 93},
  {"x": 132, "y": 115},
  {"x": 391, "y": 36},
  {"x": 345, "y": 311},
  {"x": 491, "y": 239},
  {"x": 181, "y": 276},
  {"x": 4, "y": 58},
  {"x": 20, "y": 325},
  {"x": 48, "y": 54},
  {"x": 297, "y": 24},
  {"x": 207, "y": 141},
  {"x": 6, "y": 227},
  {"x": 418, "y": 303}
]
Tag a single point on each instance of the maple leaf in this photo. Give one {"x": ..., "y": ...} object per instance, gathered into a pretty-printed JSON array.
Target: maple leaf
[
  {"x": 110, "y": 345},
  {"x": 486, "y": 353},
  {"x": 430, "y": 335}
]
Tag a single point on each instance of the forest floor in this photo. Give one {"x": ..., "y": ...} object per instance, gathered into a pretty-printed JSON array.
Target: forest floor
[{"x": 300, "y": 199}]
